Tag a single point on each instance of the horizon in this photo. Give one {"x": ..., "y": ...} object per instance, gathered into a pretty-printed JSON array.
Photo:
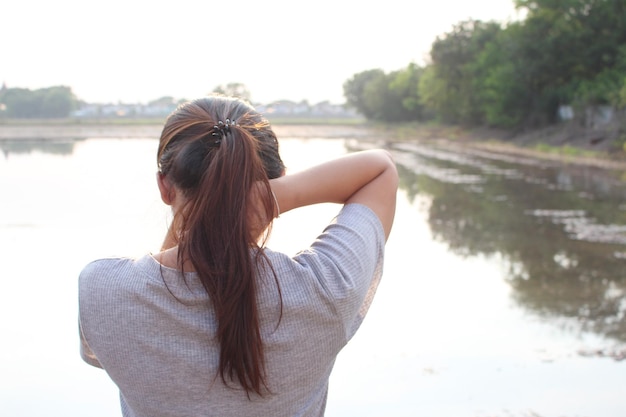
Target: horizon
[{"x": 139, "y": 52}]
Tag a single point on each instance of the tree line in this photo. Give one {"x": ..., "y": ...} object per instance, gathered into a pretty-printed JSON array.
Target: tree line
[
  {"x": 563, "y": 53},
  {"x": 60, "y": 101},
  {"x": 50, "y": 102}
]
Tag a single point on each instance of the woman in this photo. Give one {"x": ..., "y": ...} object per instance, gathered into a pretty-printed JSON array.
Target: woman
[{"x": 216, "y": 324}]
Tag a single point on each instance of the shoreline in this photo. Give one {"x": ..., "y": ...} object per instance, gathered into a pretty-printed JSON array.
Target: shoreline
[
  {"x": 59, "y": 131},
  {"x": 600, "y": 161},
  {"x": 44, "y": 131},
  {"x": 483, "y": 139}
]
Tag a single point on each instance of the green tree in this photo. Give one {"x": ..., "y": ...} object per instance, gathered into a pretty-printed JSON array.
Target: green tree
[
  {"x": 51, "y": 102},
  {"x": 354, "y": 90},
  {"x": 501, "y": 81},
  {"x": 448, "y": 87},
  {"x": 572, "y": 51},
  {"x": 404, "y": 84},
  {"x": 56, "y": 102},
  {"x": 234, "y": 90},
  {"x": 432, "y": 92},
  {"x": 385, "y": 97}
]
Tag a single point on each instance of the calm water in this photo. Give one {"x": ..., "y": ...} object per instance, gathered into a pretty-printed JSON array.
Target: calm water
[{"x": 504, "y": 291}]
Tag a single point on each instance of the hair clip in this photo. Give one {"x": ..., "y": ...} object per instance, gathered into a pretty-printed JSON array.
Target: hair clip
[{"x": 221, "y": 129}]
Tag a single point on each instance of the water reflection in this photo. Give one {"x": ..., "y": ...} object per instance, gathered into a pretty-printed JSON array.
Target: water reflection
[
  {"x": 61, "y": 147},
  {"x": 561, "y": 230}
]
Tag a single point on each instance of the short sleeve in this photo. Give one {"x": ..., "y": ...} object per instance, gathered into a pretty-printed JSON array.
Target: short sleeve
[
  {"x": 85, "y": 351},
  {"x": 347, "y": 260}
]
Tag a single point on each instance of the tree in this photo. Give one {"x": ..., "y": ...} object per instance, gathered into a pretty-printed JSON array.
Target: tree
[
  {"x": 404, "y": 85},
  {"x": 56, "y": 101},
  {"x": 501, "y": 82},
  {"x": 354, "y": 91},
  {"x": 51, "y": 102},
  {"x": 447, "y": 87},
  {"x": 385, "y": 97},
  {"x": 573, "y": 50},
  {"x": 19, "y": 103},
  {"x": 234, "y": 90}
]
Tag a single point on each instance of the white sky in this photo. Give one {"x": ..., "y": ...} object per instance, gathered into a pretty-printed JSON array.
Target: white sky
[{"x": 137, "y": 51}]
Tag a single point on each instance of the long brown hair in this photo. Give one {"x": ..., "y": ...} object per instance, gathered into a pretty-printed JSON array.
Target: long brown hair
[{"x": 217, "y": 150}]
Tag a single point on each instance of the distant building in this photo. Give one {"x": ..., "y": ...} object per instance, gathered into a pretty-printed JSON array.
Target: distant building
[
  {"x": 164, "y": 106},
  {"x": 122, "y": 110},
  {"x": 286, "y": 108}
]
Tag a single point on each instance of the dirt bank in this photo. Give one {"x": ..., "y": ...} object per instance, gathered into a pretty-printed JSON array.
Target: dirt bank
[
  {"x": 564, "y": 143},
  {"x": 568, "y": 143}
]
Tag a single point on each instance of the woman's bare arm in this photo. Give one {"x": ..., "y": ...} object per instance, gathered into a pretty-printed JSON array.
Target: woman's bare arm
[{"x": 367, "y": 177}]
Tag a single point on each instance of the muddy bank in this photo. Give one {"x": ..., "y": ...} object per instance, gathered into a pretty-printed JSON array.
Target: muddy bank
[
  {"x": 604, "y": 160},
  {"x": 568, "y": 144}
]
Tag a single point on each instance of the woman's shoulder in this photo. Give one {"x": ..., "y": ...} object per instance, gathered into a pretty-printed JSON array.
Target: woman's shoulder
[
  {"x": 103, "y": 264},
  {"x": 357, "y": 221},
  {"x": 359, "y": 211},
  {"x": 110, "y": 268},
  {"x": 350, "y": 246}
]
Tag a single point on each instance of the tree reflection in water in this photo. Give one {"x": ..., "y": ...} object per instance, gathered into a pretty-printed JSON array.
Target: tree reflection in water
[
  {"x": 26, "y": 146},
  {"x": 560, "y": 229}
]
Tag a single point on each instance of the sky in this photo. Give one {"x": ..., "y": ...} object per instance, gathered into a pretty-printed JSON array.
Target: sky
[{"x": 135, "y": 51}]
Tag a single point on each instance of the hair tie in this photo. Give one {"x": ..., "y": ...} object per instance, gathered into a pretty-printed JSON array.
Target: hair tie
[{"x": 221, "y": 129}]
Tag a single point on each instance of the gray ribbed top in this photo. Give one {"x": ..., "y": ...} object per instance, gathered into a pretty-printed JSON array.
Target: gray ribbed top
[{"x": 153, "y": 331}]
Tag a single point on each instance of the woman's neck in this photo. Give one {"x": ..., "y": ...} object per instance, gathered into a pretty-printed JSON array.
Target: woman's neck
[{"x": 169, "y": 258}]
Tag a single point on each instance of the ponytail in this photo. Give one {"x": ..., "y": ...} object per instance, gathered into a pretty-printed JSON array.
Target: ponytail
[{"x": 222, "y": 172}]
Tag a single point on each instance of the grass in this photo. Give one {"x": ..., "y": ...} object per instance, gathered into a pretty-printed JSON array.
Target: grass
[{"x": 566, "y": 150}]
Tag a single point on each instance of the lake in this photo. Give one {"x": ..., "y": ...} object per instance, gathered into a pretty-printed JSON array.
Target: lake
[{"x": 504, "y": 290}]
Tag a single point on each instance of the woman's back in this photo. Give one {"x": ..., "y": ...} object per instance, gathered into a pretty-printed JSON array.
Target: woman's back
[{"x": 155, "y": 330}]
